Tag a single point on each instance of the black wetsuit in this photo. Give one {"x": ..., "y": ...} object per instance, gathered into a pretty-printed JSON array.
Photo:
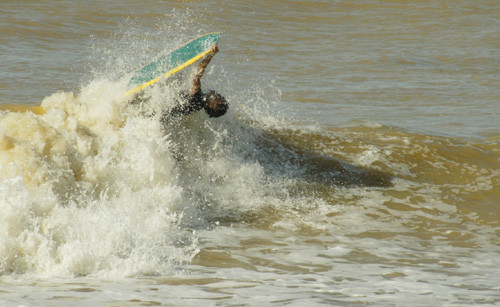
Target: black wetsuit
[{"x": 188, "y": 104}]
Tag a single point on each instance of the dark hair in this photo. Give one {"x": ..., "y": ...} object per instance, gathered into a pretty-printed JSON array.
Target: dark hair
[{"x": 215, "y": 104}]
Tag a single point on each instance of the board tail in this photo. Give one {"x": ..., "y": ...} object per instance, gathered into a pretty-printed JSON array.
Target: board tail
[{"x": 21, "y": 108}]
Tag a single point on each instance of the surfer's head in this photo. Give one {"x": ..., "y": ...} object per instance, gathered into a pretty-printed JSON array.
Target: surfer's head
[{"x": 215, "y": 104}]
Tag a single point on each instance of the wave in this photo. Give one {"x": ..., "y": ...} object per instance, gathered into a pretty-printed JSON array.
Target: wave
[{"x": 98, "y": 186}]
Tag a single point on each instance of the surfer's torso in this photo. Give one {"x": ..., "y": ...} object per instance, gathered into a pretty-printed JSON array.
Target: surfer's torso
[{"x": 188, "y": 103}]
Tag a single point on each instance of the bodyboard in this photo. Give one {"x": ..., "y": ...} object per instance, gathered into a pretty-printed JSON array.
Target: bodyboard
[
  {"x": 164, "y": 67},
  {"x": 172, "y": 62}
]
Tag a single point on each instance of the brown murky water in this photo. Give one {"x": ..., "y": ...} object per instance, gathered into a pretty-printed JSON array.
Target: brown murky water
[{"x": 359, "y": 162}]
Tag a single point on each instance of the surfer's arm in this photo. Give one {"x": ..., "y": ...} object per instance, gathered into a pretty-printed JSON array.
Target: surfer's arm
[{"x": 200, "y": 70}]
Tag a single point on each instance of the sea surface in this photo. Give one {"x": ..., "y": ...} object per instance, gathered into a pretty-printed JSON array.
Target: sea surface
[{"x": 359, "y": 163}]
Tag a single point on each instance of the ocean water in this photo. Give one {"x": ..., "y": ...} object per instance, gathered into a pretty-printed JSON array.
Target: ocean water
[{"x": 359, "y": 163}]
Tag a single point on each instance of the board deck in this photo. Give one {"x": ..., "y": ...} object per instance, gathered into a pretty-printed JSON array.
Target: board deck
[{"x": 172, "y": 62}]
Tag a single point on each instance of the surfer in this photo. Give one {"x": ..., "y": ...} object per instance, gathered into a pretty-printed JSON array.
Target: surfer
[{"x": 214, "y": 103}]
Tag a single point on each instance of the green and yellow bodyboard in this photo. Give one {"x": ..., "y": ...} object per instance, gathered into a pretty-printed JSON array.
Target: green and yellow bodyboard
[
  {"x": 173, "y": 62},
  {"x": 150, "y": 74}
]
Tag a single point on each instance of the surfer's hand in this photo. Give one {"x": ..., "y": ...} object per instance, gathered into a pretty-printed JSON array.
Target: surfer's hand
[{"x": 214, "y": 49}]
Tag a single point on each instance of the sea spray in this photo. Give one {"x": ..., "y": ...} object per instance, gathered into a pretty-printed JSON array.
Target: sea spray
[{"x": 88, "y": 189}]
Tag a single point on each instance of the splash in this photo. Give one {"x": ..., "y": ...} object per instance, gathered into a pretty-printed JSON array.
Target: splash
[
  {"x": 98, "y": 186},
  {"x": 87, "y": 188}
]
